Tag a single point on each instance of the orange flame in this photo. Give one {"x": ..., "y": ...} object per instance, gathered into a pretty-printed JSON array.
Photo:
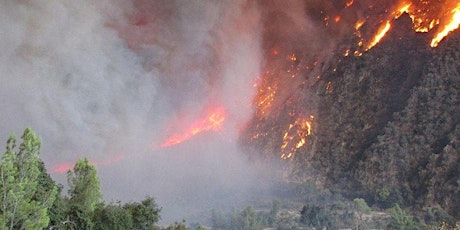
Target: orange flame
[
  {"x": 296, "y": 136},
  {"x": 66, "y": 166},
  {"x": 213, "y": 121},
  {"x": 449, "y": 27},
  {"x": 380, "y": 34},
  {"x": 266, "y": 91},
  {"x": 425, "y": 15},
  {"x": 349, "y": 3}
]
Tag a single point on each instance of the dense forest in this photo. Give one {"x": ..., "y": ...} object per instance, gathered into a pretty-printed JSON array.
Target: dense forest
[{"x": 386, "y": 125}]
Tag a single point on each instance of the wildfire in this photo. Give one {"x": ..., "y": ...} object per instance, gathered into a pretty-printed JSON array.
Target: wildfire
[
  {"x": 449, "y": 27},
  {"x": 425, "y": 16},
  {"x": 380, "y": 34},
  {"x": 66, "y": 166},
  {"x": 213, "y": 121},
  {"x": 266, "y": 91},
  {"x": 296, "y": 136},
  {"x": 349, "y": 3}
]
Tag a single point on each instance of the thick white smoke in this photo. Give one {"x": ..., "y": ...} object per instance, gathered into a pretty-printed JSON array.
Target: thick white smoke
[{"x": 102, "y": 80}]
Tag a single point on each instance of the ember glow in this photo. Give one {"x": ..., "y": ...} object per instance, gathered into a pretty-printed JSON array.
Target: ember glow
[
  {"x": 66, "y": 166},
  {"x": 295, "y": 136},
  {"x": 380, "y": 34},
  {"x": 452, "y": 25},
  {"x": 443, "y": 18},
  {"x": 213, "y": 121},
  {"x": 266, "y": 91}
]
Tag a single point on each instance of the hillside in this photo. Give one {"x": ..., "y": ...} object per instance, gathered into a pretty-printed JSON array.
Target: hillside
[{"x": 386, "y": 124}]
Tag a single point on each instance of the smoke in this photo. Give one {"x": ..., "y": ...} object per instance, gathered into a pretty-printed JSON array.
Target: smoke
[
  {"x": 111, "y": 80},
  {"x": 105, "y": 80}
]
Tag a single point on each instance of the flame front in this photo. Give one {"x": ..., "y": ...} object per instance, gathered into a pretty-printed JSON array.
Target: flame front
[
  {"x": 271, "y": 99},
  {"x": 380, "y": 34},
  {"x": 213, "y": 121},
  {"x": 452, "y": 25},
  {"x": 296, "y": 136},
  {"x": 425, "y": 15}
]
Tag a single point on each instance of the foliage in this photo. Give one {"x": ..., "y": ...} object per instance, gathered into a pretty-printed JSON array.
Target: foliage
[
  {"x": 30, "y": 199},
  {"x": 317, "y": 217},
  {"x": 177, "y": 226},
  {"x": 401, "y": 220},
  {"x": 246, "y": 219},
  {"x": 137, "y": 215},
  {"x": 361, "y": 206},
  {"x": 112, "y": 216},
  {"x": 144, "y": 214},
  {"x": 25, "y": 194},
  {"x": 85, "y": 194},
  {"x": 271, "y": 218}
]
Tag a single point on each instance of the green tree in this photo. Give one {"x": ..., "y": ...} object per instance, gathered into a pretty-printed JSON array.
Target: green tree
[
  {"x": 24, "y": 201},
  {"x": 144, "y": 214},
  {"x": 85, "y": 194},
  {"x": 112, "y": 217},
  {"x": 317, "y": 217},
  {"x": 47, "y": 187},
  {"x": 361, "y": 208},
  {"x": 401, "y": 220}
]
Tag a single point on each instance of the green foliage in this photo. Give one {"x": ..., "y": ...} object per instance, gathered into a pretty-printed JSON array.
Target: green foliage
[
  {"x": 246, "y": 219},
  {"x": 144, "y": 214},
  {"x": 273, "y": 212},
  {"x": 85, "y": 194},
  {"x": 401, "y": 220},
  {"x": 285, "y": 221},
  {"x": 317, "y": 217},
  {"x": 435, "y": 215},
  {"x": 249, "y": 219},
  {"x": 25, "y": 195},
  {"x": 361, "y": 206},
  {"x": 112, "y": 217},
  {"x": 30, "y": 199},
  {"x": 177, "y": 226}
]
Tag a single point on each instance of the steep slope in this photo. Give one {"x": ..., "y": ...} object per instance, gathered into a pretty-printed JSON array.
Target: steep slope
[{"x": 388, "y": 122}]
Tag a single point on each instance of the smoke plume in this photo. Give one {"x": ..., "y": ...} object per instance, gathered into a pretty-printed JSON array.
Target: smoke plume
[{"x": 110, "y": 80}]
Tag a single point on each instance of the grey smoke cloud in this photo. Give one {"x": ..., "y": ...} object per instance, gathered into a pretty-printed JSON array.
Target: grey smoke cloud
[{"x": 102, "y": 80}]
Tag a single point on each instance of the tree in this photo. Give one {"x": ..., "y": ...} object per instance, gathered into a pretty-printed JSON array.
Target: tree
[
  {"x": 112, "y": 217},
  {"x": 47, "y": 187},
  {"x": 317, "y": 217},
  {"x": 24, "y": 200},
  {"x": 144, "y": 214},
  {"x": 361, "y": 208},
  {"x": 401, "y": 220},
  {"x": 85, "y": 194}
]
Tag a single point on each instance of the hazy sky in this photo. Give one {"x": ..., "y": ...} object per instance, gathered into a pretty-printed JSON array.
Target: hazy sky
[{"x": 110, "y": 80}]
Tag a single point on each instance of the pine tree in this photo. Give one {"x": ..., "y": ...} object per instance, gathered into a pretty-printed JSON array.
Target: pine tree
[
  {"x": 85, "y": 194},
  {"x": 23, "y": 203}
]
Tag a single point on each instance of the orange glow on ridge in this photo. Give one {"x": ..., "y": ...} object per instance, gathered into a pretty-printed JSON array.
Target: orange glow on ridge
[
  {"x": 213, "y": 121},
  {"x": 449, "y": 27},
  {"x": 380, "y": 34},
  {"x": 296, "y": 136}
]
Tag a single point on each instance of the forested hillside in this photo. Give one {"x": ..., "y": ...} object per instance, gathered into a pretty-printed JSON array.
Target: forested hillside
[{"x": 388, "y": 123}]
